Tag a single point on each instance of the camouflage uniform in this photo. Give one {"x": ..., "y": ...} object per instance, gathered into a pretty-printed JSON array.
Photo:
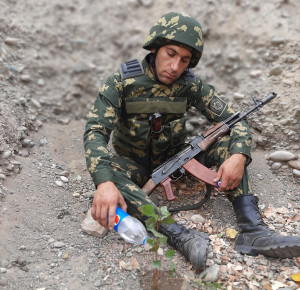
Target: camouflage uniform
[{"x": 123, "y": 106}]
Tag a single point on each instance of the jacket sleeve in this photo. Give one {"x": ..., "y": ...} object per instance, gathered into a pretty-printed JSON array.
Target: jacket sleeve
[
  {"x": 101, "y": 119},
  {"x": 215, "y": 109}
]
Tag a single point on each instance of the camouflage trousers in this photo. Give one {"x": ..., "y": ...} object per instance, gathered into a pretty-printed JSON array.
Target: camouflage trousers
[{"x": 129, "y": 176}]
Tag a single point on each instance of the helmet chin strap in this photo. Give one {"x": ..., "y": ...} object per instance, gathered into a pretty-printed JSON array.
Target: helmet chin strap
[{"x": 152, "y": 58}]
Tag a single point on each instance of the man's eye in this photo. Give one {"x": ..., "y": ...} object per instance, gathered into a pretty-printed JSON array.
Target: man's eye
[{"x": 171, "y": 54}]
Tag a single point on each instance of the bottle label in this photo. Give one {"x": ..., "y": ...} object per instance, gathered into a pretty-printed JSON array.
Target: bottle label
[{"x": 120, "y": 214}]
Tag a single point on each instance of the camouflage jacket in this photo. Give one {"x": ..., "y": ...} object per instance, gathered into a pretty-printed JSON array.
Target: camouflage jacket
[{"x": 124, "y": 105}]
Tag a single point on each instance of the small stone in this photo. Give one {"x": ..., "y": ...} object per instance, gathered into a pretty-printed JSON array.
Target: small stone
[
  {"x": 3, "y": 270},
  {"x": 146, "y": 2},
  {"x": 26, "y": 142},
  {"x": 97, "y": 283},
  {"x": 212, "y": 273},
  {"x": 64, "y": 179},
  {"x": 291, "y": 58},
  {"x": 36, "y": 103},
  {"x": 238, "y": 96},
  {"x": 41, "y": 82},
  {"x": 294, "y": 164},
  {"x": 24, "y": 153},
  {"x": 92, "y": 227},
  {"x": 6, "y": 154},
  {"x": 276, "y": 165},
  {"x": 59, "y": 244},
  {"x": 255, "y": 73},
  {"x": 25, "y": 78},
  {"x": 276, "y": 41},
  {"x": 43, "y": 141},
  {"x": 11, "y": 41},
  {"x": 296, "y": 172},
  {"x": 76, "y": 194},
  {"x": 65, "y": 173},
  {"x": 59, "y": 183},
  {"x": 281, "y": 156},
  {"x": 197, "y": 218},
  {"x": 275, "y": 71}
]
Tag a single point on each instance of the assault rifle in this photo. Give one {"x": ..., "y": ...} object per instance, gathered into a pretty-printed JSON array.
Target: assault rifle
[{"x": 184, "y": 160}]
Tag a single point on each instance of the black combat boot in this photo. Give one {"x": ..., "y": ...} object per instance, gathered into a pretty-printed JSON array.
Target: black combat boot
[
  {"x": 192, "y": 244},
  {"x": 255, "y": 237}
]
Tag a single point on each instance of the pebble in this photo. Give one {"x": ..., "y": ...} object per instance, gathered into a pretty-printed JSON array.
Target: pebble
[
  {"x": 275, "y": 71},
  {"x": 64, "y": 179},
  {"x": 276, "y": 165},
  {"x": 146, "y": 2},
  {"x": 6, "y": 154},
  {"x": 238, "y": 96},
  {"x": 97, "y": 283},
  {"x": 59, "y": 183},
  {"x": 212, "y": 273},
  {"x": 281, "y": 156},
  {"x": 276, "y": 41},
  {"x": 3, "y": 270},
  {"x": 36, "y": 103},
  {"x": 59, "y": 244},
  {"x": 291, "y": 58},
  {"x": 288, "y": 82},
  {"x": 43, "y": 141},
  {"x": 296, "y": 172},
  {"x": 65, "y": 173},
  {"x": 197, "y": 218},
  {"x": 294, "y": 164},
  {"x": 25, "y": 142},
  {"x": 11, "y": 41},
  {"x": 255, "y": 73},
  {"x": 25, "y": 78}
]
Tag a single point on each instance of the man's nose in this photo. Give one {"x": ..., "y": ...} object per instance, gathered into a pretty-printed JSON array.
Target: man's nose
[{"x": 175, "y": 65}]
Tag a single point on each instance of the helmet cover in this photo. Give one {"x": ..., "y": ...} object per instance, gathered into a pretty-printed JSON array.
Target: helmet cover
[{"x": 178, "y": 29}]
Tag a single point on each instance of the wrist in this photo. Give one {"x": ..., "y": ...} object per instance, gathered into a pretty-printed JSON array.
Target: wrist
[
  {"x": 104, "y": 183},
  {"x": 241, "y": 156}
]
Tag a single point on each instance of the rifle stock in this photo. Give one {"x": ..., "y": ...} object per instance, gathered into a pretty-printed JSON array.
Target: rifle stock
[{"x": 149, "y": 186}]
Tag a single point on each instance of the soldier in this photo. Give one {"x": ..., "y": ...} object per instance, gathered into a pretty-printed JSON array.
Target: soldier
[{"x": 164, "y": 83}]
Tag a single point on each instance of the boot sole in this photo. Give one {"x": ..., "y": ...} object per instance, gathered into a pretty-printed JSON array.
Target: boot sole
[{"x": 284, "y": 251}]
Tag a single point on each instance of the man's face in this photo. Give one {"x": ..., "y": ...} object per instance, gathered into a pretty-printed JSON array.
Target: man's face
[{"x": 170, "y": 62}]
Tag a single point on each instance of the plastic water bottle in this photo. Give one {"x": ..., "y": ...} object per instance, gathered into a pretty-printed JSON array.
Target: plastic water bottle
[{"x": 130, "y": 228}]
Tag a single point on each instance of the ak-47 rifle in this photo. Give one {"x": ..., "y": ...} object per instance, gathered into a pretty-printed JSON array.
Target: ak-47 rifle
[{"x": 184, "y": 160}]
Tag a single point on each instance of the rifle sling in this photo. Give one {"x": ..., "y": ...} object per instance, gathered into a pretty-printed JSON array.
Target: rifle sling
[
  {"x": 202, "y": 173},
  {"x": 196, "y": 205}
]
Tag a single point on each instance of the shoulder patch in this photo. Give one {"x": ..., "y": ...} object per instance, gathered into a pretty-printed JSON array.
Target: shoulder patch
[
  {"x": 217, "y": 106},
  {"x": 131, "y": 69}
]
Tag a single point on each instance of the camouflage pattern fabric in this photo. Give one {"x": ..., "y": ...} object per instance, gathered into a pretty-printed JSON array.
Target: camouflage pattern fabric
[
  {"x": 179, "y": 29},
  {"x": 123, "y": 106}
]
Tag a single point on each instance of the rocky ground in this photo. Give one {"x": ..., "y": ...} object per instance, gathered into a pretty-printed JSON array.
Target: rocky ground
[{"x": 53, "y": 58}]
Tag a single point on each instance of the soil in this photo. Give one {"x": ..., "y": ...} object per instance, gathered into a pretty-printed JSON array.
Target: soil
[{"x": 53, "y": 58}]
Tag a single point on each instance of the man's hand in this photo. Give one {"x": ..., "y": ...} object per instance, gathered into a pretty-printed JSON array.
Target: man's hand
[
  {"x": 106, "y": 199},
  {"x": 231, "y": 172}
]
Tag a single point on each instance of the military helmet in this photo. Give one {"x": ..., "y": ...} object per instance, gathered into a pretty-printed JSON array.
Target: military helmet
[{"x": 178, "y": 29}]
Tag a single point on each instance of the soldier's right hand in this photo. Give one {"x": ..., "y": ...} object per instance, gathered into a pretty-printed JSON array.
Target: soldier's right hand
[{"x": 106, "y": 199}]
